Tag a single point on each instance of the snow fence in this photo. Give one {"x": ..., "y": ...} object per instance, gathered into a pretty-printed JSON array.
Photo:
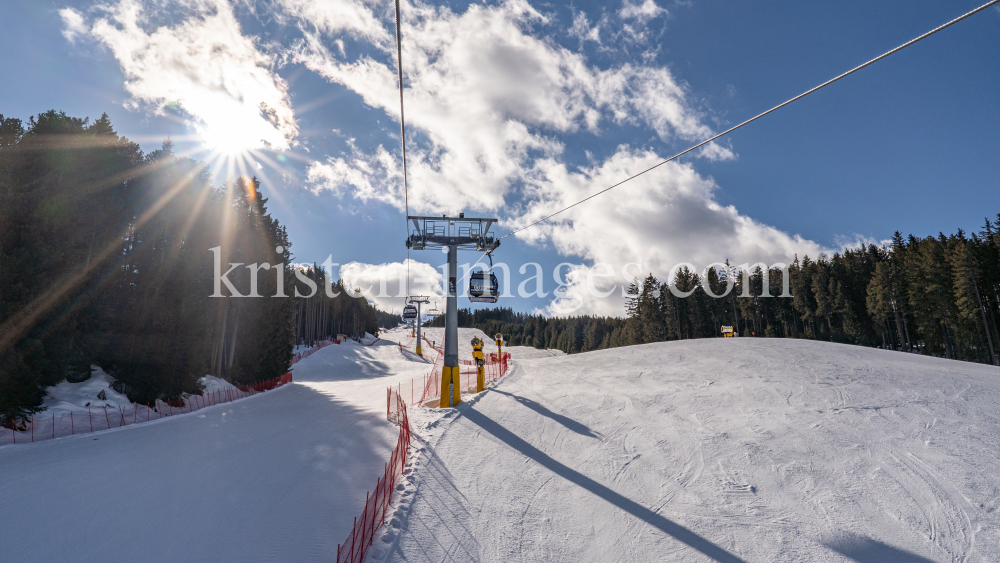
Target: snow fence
[
  {"x": 360, "y": 539},
  {"x": 431, "y": 384},
  {"x": 96, "y": 419},
  {"x": 362, "y": 535},
  {"x": 306, "y": 353}
]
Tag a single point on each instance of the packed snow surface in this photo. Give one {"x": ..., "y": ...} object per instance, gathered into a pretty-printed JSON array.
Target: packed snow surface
[
  {"x": 729, "y": 450},
  {"x": 278, "y": 476}
]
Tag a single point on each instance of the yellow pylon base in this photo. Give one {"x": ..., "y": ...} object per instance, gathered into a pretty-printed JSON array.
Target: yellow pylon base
[
  {"x": 451, "y": 384},
  {"x": 419, "y": 351},
  {"x": 480, "y": 379}
]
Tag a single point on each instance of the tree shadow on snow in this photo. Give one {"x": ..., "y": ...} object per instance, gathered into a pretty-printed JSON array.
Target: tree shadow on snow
[
  {"x": 678, "y": 532},
  {"x": 346, "y": 365},
  {"x": 867, "y": 550},
  {"x": 275, "y": 477},
  {"x": 566, "y": 421}
]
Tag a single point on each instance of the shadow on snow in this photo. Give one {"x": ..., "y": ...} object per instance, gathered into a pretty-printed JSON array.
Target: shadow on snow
[
  {"x": 678, "y": 532},
  {"x": 566, "y": 421}
]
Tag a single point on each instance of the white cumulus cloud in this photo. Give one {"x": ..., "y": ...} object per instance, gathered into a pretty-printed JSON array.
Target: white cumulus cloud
[
  {"x": 581, "y": 29},
  {"x": 486, "y": 96},
  {"x": 355, "y": 17},
  {"x": 643, "y": 12},
  {"x": 203, "y": 65},
  {"x": 490, "y": 100},
  {"x": 385, "y": 284},
  {"x": 74, "y": 24},
  {"x": 656, "y": 221}
]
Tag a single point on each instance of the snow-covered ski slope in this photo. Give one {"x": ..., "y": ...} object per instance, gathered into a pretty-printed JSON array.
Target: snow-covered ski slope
[
  {"x": 710, "y": 450},
  {"x": 729, "y": 450},
  {"x": 436, "y": 336},
  {"x": 276, "y": 477}
]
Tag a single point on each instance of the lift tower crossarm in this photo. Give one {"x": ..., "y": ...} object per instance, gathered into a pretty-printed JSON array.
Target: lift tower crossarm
[{"x": 461, "y": 232}]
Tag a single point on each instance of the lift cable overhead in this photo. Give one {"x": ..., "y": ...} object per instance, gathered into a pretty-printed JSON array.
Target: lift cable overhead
[
  {"x": 755, "y": 118},
  {"x": 402, "y": 134}
]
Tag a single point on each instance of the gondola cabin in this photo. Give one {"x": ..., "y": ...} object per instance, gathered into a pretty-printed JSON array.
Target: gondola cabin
[
  {"x": 409, "y": 312},
  {"x": 483, "y": 287}
]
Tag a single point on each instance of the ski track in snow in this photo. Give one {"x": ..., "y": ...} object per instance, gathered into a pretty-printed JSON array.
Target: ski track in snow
[{"x": 752, "y": 450}]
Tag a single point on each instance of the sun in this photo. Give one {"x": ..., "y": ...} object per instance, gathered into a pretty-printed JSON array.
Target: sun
[
  {"x": 233, "y": 128},
  {"x": 229, "y": 138}
]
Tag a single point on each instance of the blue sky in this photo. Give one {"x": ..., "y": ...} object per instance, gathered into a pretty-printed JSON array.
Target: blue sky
[{"x": 516, "y": 108}]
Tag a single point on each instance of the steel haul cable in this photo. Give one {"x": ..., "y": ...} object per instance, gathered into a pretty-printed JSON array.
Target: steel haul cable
[
  {"x": 402, "y": 137},
  {"x": 755, "y": 118}
]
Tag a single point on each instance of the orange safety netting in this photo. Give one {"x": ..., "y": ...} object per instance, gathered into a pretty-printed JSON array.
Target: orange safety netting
[
  {"x": 356, "y": 545},
  {"x": 46, "y": 428},
  {"x": 431, "y": 384},
  {"x": 49, "y": 427}
]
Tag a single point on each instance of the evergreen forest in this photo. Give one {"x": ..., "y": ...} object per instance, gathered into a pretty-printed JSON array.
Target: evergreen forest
[
  {"x": 108, "y": 258},
  {"x": 938, "y": 296}
]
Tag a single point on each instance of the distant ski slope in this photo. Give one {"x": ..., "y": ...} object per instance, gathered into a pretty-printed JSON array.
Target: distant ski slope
[
  {"x": 757, "y": 450},
  {"x": 276, "y": 477}
]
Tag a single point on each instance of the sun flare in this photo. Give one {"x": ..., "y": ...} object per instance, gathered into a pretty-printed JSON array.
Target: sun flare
[{"x": 232, "y": 127}]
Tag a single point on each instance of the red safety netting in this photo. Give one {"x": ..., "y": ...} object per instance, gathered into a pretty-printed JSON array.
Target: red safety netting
[
  {"x": 432, "y": 380},
  {"x": 362, "y": 535},
  {"x": 431, "y": 384},
  {"x": 49, "y": 427},
  {"x": 356, "y": 545},
  {"x": 440, "y": 351},
  {"x": 46, "y": 428},
  {"x": 306, "y": 353}
]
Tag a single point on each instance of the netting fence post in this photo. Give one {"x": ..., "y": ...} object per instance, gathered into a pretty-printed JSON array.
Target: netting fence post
[
  {"x": 378, "y": 483},
  {"x": 72, "y": 429},
  {"x": 385, "y": 502},
  {"x": 89, "y": 416},
  {"x": 364, "y": 525},
  {"x": 354, "y": 534}
]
